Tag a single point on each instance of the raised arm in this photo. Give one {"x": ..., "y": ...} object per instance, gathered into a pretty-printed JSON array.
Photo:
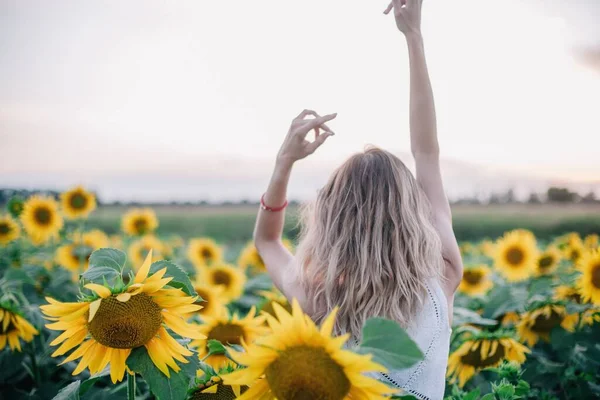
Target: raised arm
[
  {"x": 423, "y": 136},
  {"x": 269, "y": 223}
]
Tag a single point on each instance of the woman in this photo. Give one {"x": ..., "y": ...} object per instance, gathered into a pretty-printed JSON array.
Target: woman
[{"x": 376, "y": 241}]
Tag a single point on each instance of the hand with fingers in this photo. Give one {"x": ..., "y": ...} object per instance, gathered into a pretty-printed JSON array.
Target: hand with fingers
[
  {"x": 407, "y": 14},
  {"x": 295, "y": 146}
]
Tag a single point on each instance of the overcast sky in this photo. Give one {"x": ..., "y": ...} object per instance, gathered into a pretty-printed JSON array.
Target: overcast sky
[{"x": 98, "y": 89}]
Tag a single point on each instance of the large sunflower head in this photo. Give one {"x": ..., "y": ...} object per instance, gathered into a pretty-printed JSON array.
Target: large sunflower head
[
  {"x": 588, "y": 283},
  {"x": 41, "y": 219},
  {"x": 548, "y": 261},
  {"x": 483, "y": 350},
  {"x": 230, "y": 278},
  {"x": 476, "y": 280},
  {"x": 204, "y": 251},
  {"x": 297, "y": 360},
  {"x": 229, "y": 330},
  {"x": 77, "y": 203},
  {"x": 211, "y": 386},
  {"x": 542, "y": 319},
  {"x": 9, "y": 229},
  {"x": 516, "y": 255},
  {"x": 140, "y": 248},
  {"x": 139, "y": 221},
  {"x": 106, "y": 326},
  {"x": 213, "y": 302},
  {"x": 14, "y": 328}
]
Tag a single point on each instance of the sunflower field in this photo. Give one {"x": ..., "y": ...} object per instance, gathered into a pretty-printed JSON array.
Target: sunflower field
[{"x": 137, "y": 315}]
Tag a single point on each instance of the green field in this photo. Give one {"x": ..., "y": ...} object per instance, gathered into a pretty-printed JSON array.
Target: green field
[{"x": 235, "y": 223}]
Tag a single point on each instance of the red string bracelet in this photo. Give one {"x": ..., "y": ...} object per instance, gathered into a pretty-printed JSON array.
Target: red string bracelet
[{"x": 271, "y": 209}]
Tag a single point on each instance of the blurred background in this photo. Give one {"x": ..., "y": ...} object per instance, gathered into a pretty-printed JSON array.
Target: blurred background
[{"x": 183, "y": 105}]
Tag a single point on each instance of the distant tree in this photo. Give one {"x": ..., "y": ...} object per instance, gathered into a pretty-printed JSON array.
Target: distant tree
[
  {"x": 589, "y": 198},
  {"x": 561, "y": 195},
  {"x": 534, "y": 198},
  {"x": 494, "y": 199}
]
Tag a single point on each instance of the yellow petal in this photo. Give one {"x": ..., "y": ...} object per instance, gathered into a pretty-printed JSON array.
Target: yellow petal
[
  {"x": 144, "y": 269},
  {"x": 124, "y": 297},
  {"x": 100, "y": 290},
  {"x": 94, "y": 306},
  {"x": 211, "y": 389}
]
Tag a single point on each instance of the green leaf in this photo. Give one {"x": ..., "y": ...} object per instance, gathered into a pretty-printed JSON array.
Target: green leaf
[
  {"x": 181, "y": 280},
  {"x": 505, "y": 391},
  {"x": 463, "y": 316},
  {"x": 473, "y": 395},
  {"x": 488, "y": 396},
  {"x": 259, "y": 282},
  {"x": 389, "y": 344},
  {"x": 111, "y": 258},
  {"x": 504, "y": 299},
  {"x": 69, "y": 392},
  {"x": 164, "y": 388},
  {"x": 14, "y": 274},
  {"x": 522, "y": 388},
  {"x": 215, "y": 347},
  {"x": 88, "y": 383},
  {"x": 98, "y": 274}
]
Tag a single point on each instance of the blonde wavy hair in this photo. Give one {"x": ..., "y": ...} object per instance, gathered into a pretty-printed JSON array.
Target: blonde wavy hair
[{"x": 367, "y": 243}]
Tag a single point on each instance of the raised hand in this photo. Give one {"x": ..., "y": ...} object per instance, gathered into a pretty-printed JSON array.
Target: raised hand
[
  {"x": 407, "y": 14},
  {"x": 295, "y": 146}
]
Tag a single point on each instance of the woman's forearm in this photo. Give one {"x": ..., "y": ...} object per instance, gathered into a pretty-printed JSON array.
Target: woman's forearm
[
  {"x": 423, "y": 127},
  {"x": 269, "y": 225}
]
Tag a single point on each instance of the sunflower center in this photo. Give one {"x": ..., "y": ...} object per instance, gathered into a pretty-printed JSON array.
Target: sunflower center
[
  {"x": 514, "y": 256},
  {"x": 472, "y": 277},
  {"x": 206, "y": 254},
  {"x": 307, "y": 373},
  {"x": 224, "y": 392},
  {"x": 545, "y": 325},
  {"x": 545, "y": 262},
  {"x": 42, "y": 215},
  {"x": 126, "y": 325},
  {"x": 596, "y": 275},
  {"x": 141, "y": 225},
  {"x": 4, "y": 228},
  {"x": 575, "y": 253},
  {"x": 78, "y": 201},
  {"x": 221, "y": 278},
  {"x": 473, "y": 357},
  {"x": 227, "y": 334}
]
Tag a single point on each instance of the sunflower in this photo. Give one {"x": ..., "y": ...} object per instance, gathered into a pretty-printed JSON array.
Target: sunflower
[
  {"x": 588, "y": 283},
  {"x": 139, "y": 221},
  {"x": 273, "y": 297},
  {"x": 298, "y": 360},
  {"x": 516, "y": 255},
  {"x": 75, "y": 256},
  {"x": 108, "y": 326},
  {"x": 15, "y": 206},
  {"x": 232, "y": 279},
  {"x": 592, "y": 241},
  {"x": 476, "y": 280},
  {"x": 9, "y": 229},
  {"x": 212, "y": 387},
  {"x": 213, "y": 302},
  {"x": 41, "y": 219},
  {"x": 487, "y": 248},
  {"x": 249, "y": 257},
  {"x": 567, "y": 293},
  {"x": 574, "y": 248},
  {"x": 204, "y": 251},
  {"x": 139, "y": 249},
  {"x": 539, "y": 322},
  {"x": 510, "y": 318},
  {"x": 14, "y": 327},
  {"x": 228, "y": 330},
  {"x": 467, "y": 248},
  {"x": 548, "y": 261},
  {"x": 483, "y": 350},
  {"x": 77, "y": 203}
]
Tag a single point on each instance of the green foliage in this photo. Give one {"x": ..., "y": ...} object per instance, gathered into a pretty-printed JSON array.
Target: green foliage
[
  {"x": 180, "y": 280},
  {"x": 389, "y": 344}
]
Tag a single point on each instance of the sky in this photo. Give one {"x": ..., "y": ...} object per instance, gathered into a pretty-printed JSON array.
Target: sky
[{"x": 158, "y": 100}]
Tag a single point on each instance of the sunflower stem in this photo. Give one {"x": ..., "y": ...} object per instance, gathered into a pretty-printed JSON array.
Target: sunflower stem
[
  {"x": 34, "y": 366},
  {"x": 130, "y": 386}
]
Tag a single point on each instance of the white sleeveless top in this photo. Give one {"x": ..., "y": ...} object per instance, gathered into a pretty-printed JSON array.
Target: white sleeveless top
[{"x": 426, "y": 380}]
